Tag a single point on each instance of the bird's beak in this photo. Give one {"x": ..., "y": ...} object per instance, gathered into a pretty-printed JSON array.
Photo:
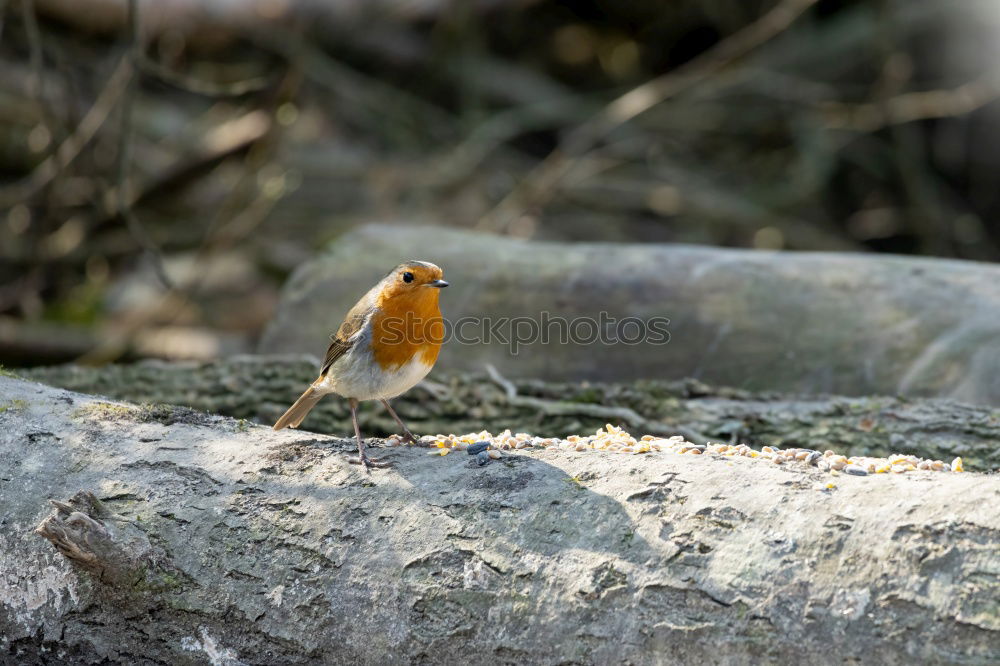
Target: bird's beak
[{"x": 437, "y": 283}]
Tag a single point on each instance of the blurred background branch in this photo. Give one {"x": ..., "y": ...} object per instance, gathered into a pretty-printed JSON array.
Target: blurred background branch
[
  {"x": 543, "y": 181},
  {"x": 152, "y": 204}
]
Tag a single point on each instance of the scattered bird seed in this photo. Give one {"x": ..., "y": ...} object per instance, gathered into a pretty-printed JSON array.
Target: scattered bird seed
[{"x": 614, "y": 439}]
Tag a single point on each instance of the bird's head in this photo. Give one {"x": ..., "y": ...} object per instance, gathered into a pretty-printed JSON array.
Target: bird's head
[{"x": 412, "y": 279}]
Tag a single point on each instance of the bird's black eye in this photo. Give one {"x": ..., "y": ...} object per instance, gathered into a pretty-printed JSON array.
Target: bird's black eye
[{"x": 407, "y": 277}]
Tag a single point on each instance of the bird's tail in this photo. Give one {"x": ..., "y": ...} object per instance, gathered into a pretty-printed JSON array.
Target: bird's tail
[{"x": 293, "y": 417}]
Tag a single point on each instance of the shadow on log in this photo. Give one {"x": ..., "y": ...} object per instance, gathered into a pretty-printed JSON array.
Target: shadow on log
[{"x": 273, "y": 549}]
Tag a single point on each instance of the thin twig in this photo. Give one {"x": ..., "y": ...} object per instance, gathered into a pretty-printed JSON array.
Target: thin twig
[
  {"x": 912, "y": 106},
  {"x": 437, "y": 390},
  {"x": 215, "y": 145},
  {"x": 540, "y": 184},
  {"x": 200, "y": 86},
  {"x": 613, "y": 413},
  {"x": 641, "y": 99},
  {"x": 501, "y": 381}
]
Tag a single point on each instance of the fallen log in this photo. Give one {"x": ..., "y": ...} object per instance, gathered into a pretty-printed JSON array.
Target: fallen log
[
  {"x": 807, "y": 322},
  {"x": 261, "y": 387},
  {"x": 184, "y": 538}
]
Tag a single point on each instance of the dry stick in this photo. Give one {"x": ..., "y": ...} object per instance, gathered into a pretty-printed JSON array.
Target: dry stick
[
  {"x": 564, "y": 408},
  {"x": 199, "y": 86},
  {"x": 214, "y": 146},
  {"x": 501, "y": 381},
  {"x": 912, "y": 106},
  {"x": 70, "y": 148},
  {"x": 538, "y": 186}
]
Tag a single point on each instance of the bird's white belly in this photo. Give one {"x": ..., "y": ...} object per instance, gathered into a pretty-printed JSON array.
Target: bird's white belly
[{"x": 357, "y": 375}]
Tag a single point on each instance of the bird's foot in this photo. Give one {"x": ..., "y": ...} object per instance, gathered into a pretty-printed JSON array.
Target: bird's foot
[
  {"x": 409, "y": 437},
  {"x": 370, "y": 462}
]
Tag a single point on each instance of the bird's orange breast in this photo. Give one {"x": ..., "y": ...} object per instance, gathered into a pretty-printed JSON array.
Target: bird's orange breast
[{"x": 407, "y": 327}]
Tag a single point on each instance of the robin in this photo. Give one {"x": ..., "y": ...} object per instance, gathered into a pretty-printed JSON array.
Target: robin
[{"x": 388, "y": 342}]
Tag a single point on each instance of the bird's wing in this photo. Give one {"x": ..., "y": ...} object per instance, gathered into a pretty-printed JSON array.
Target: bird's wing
[
  {"x": 336, "y": 349},
  {"x": 344, "y": 338}
]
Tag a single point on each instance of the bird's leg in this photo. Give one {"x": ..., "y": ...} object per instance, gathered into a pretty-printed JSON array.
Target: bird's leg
[
  {"x": 363, "y": 458},
  {"x": 407, "y": 435}
]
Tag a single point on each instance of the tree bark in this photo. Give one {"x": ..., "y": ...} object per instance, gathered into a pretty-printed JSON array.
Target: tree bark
[
  {"x": 262, "y": 387},
  {"x": 211, "y": 540}
]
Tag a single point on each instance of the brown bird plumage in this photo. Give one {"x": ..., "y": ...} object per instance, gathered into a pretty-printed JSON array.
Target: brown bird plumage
[{"x": 387, "y": 343}]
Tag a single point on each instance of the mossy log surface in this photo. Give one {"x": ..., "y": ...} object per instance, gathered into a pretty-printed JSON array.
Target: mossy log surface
[
  {"x": 260, "y": 388},
  {"x": 184, "y": 538}
]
